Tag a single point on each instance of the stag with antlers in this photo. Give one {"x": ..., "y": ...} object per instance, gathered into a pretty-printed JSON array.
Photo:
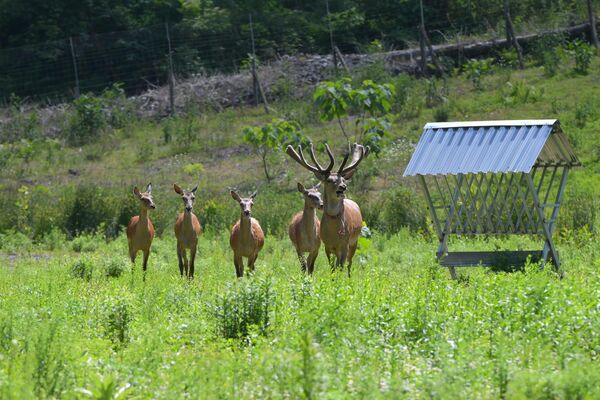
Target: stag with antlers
[{"x": 342, "y": 221}]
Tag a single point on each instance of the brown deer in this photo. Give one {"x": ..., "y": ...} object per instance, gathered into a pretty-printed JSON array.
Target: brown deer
[
  {"x": 304, "y": 228},
  {"x": 140, "y": 230},
  {"x": 247, "y": 237},
  {"x": 187, "y": 231},
  {"x": 342, "y": 221}
]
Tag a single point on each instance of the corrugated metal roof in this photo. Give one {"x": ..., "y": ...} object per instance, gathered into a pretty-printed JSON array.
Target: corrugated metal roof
[{"x": 490, "y": 146}]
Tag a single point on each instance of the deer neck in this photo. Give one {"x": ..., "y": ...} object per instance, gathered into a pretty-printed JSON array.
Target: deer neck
[
  {"x": 333, "y": 207},
  {"x": 143, "y": 221},
  {"x": 309, "y": 216},
  {"x": 187, "y": 218},
  {"x": 245, "y": 227}
]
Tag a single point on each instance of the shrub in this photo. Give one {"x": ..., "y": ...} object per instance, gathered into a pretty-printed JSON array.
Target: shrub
[
  {"x": 245, "y": 305},
  {"x": 274, "y": 136},
  {"x": 114, "y": 267},
  {"x": 441, "y": 113},
  {"x": 401, "y": 208},
  {"x": 85, "y": 243},
  {"x": 551, "y": 62},
  {"x": 116, "y": 323},
  {"x": 86, "y": 121},
  {"x": 83, "y": 268},
  {"x": 582, "y": 52},
  {"x": 20, "y": 124},
  {"x": 89, "y": 208},
  {"x": 476, "y": 70}
]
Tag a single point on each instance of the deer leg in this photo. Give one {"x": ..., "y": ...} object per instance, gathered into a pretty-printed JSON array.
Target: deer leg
[
  {"x": 351, "y": 252},
  {"x": 192, "y": 260},
  {"x": 180, "y": 259},
  {"x": 185, "y": 262},
  {"x": 251, "y": 261},
  {"x": 132, "y": 254},
  {"x": 312, "y": 257},
  {"x": 145, "y": 266},
  {"x": 302, "y": 260},
  {"x": 329, "y": 260},
  {"x": 239, "y": 265},
  {"x": 342, "y": 259}
]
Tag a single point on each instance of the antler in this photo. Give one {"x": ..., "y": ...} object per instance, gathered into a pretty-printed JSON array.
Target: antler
[
  {"x": 359, "y": 152},
  {"x": 300, "y": 159}
]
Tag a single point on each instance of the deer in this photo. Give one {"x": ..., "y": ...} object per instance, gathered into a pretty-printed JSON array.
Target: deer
[
  {"x": 247, "y": 237},
  {"x": 341, "y": 222},
  {"x": 304, "y": 228},
  {"x": 140, "y": 230},
  {"x": 187, "y": 231}
]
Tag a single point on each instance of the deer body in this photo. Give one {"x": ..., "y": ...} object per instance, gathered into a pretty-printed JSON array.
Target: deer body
[
  {"x": 305, "y": 227},
  {"x": 187, "y": 232},
  {"x": 247, "y": 237},
  {"x": 342, "y": 220},
  {"x": 340, "y": 229},
  {"x": 140, "y": 231}
]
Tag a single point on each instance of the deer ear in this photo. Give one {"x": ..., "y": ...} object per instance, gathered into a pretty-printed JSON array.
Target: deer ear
[
  {"x": 348, "y": 175},
  {"x": 177, "y": 189},
  {"x": 136, "y": 191},
  {"x": 149, "y": 188},
  {"x": 194, "y": 189},
  {"x": 301, "y": 188},
  {"x": 253, "y": 195},
  {"x": 236, "y": 196}
]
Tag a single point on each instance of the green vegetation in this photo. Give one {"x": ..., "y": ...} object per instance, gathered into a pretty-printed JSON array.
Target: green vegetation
[
  {"x": 399, "y": 328},
  {"x": 76, "y": 322}
]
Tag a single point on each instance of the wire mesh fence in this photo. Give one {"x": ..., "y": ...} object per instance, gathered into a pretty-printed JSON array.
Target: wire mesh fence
[{"x": 144, "y": 58}]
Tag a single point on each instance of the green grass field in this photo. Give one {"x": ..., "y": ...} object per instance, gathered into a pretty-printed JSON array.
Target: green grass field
[
  {"x": 399, "y": 328},
  {"x": 75, "y": 322}
]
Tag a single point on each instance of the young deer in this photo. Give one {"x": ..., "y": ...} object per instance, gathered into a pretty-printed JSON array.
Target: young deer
[
  {"x": 304, "y": 228},
  {"x": 187, "y": 231},
  {"x": 342, "y": 221},
  {"x": 247, "y": 237},
  {"x": 140, "y": 230}
]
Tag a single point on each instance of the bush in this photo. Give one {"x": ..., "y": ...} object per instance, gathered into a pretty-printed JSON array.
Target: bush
[
  {"x": 582, "y": 53},
  {"x": 401, "y": 208},
  {"x": 551, "y": 62},
  {"x": 83, "y": 268},
  {"x": 85, "y": 243},
  {"x": 441, "y": 113},
  {"x": 114, "y": 267},
  {"x": 246, "y": 305},
  {"x": 86, "y": 121},
  {"x": 116, "y": 323},
  {"x": 476, "y": 70}
]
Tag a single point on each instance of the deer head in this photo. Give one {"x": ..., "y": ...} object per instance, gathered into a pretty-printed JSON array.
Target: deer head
[
  {"x": 334, "y": 182},
  {"x": 312, "y": 196},
  {"x": 246, "y": 203},
  {"x": 145, "y": 197},
  {"x": 188, "y": 197}
]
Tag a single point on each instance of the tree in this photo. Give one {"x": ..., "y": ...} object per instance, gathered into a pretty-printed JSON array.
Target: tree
[
  {"x": 276, "y": 135},
  {"x": 368, "y": 105}
]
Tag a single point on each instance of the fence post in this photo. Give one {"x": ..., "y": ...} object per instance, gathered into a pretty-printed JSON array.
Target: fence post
[
  {"x": 510, "y": 34},
  {"x": 253, "y": 66},
  {"x": 255, "y": 80},
  {"x": 592, "y": 20},
  {"x": 77, "y": 88},
  {"x": 170, "y": 78},
  {"x": 333, "y": 53}
]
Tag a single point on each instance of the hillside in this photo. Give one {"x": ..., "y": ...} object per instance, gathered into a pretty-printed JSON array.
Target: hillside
[{"x": 206, "y": 147}]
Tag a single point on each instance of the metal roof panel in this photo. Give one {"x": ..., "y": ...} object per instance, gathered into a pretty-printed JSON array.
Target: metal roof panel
[{"x": 489, "y": 146}]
